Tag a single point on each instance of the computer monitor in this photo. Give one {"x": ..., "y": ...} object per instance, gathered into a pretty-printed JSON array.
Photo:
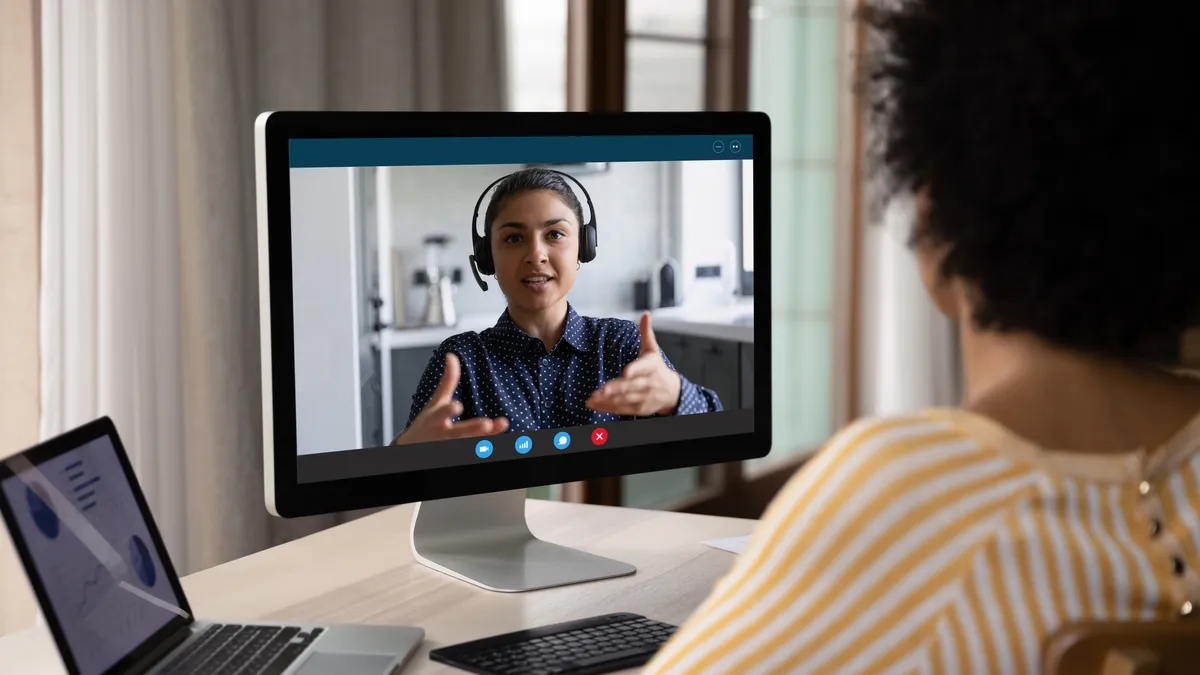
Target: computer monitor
[{"x": 458, "y": 306}]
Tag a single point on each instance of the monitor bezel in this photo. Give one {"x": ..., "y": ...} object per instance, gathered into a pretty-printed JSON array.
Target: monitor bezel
[
  {"x": 287, "y": 497},
  {"x": 45, "y": 451}
]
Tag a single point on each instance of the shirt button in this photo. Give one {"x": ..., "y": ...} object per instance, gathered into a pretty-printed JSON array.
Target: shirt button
[
  {"x": 1144, "y": 488},
  {"x": 1186, "y": 608}
]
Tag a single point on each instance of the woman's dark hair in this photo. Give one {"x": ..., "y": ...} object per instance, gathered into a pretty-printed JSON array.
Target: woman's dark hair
[
  {"x": 528, "y": 180},
  {"x": 1058, "y": 154}
]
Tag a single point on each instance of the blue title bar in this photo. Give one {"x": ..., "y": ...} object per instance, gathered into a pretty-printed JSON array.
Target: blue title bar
[{"x": 324, "y": 152}]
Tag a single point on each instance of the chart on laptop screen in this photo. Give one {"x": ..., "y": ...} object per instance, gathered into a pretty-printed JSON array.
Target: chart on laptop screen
[
  {"x": 465, "y": 300},
  {"x": 90, "y": 545}
]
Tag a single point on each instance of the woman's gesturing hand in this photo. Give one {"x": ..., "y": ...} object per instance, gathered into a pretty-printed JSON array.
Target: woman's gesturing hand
[
  {"x": 647, "y": 386},
  {"x": 435, "y": 422}
]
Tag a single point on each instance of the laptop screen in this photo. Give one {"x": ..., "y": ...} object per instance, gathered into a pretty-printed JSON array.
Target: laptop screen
[{"x": 91, "y": 549}]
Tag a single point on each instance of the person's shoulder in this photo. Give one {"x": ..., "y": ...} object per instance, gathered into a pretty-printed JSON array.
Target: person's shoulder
[
  {"x": 901, "y": 461},
  {"x": 615, "y": 323},
  {"x": 467, "y": 342},
  {"x": 888, "y": 435},
  {"x": 907, "y": 446}
]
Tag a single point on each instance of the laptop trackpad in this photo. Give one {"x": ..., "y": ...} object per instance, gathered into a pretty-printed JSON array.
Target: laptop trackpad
[{"x": 332, "y": 663}]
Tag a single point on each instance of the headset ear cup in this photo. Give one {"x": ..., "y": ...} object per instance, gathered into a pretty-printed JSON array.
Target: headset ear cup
[
  {"x": 588, "y": 252},
  {"x": 483, "y": 256}
]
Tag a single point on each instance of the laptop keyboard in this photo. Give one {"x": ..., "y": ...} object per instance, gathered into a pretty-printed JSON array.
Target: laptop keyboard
[{"x": 230, "y": 649}]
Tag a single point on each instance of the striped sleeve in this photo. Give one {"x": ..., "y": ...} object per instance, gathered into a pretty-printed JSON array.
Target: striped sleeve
[{"x": 858, "y": 562}]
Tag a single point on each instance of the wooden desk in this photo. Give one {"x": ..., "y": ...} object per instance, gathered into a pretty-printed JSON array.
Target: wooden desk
[{"x": 363, "y": 572}]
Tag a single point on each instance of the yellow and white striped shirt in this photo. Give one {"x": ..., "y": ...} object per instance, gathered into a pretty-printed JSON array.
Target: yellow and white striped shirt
[{"x": 941, "y": 543}]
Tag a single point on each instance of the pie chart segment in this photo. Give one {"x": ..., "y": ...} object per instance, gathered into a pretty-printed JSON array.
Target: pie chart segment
[
  {"x": 40, "y": 510},
  {"x": 141, "y": 561}
]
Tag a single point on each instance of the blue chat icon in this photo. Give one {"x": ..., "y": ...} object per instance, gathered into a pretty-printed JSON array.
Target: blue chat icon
[
  {"x": 562, "y": 440},
  {"x": 483, "y": 449}
]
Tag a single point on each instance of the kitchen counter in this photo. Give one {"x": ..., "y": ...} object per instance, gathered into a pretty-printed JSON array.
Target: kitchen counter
[{"x": 734, "y": 323}]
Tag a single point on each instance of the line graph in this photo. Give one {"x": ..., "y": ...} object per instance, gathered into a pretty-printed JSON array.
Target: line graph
[{"x": 93, "y": 580}]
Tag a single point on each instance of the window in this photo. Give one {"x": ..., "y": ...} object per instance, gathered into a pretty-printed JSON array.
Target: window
[
  {"x": 796, "y": 58},
  {"x": 537, "y": 55},
  {"x": 665, "y": 53},
  {"x": 747, "y": 228}
]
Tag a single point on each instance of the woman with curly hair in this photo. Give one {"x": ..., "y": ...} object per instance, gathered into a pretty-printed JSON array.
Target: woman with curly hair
[{"x": 1051, "y": 160}]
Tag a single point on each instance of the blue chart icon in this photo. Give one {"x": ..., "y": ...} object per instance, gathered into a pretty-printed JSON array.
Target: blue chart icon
[
  {"x": 524, "y": 444},
  {"x": 483, "y": 449},
  {"x": 141, "y": 562},
  {"x": 40, "y": 510},
  {"x": 562, "y": 440}
]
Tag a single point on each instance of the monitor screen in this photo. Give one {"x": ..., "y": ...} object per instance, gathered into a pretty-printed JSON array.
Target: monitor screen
[
  {"x": 91, "y": 549},
  {"x": 618, "y": 308}
]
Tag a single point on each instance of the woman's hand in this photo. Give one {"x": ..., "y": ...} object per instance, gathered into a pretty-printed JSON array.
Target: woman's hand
[
  {"x": 436, "y": 421},
  {"x": 646, "y": 387}
]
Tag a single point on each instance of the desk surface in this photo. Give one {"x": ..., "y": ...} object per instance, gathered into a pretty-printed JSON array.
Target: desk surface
[{"x": 363, "y": 572}]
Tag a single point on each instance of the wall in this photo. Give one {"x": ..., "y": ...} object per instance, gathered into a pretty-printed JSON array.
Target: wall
[
  {"x": 19, "y": 254},
  {"x": 325, "y": 319},
  {"x": 439, "y": 200}
]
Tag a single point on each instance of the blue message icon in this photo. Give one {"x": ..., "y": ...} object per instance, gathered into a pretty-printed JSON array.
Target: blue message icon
[
  {"x": 524, "y": 444},
  {"x": 562, "y": 440},
  {"x": 483, "y": 449}
]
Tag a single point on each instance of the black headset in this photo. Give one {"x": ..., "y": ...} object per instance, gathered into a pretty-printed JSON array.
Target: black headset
[{"x": 481, "y": 260}]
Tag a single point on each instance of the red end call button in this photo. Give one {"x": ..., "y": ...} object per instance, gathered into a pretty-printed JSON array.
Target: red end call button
[{"x": 599, "y": 436}]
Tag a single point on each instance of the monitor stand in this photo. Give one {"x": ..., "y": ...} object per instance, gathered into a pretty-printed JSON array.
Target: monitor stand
[{"x": 485, "y": 540}]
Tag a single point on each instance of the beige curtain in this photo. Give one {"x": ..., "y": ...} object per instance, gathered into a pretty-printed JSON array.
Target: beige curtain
[
  {"x": 18, "y": 271},
  {"x": 162, "y": 273}
]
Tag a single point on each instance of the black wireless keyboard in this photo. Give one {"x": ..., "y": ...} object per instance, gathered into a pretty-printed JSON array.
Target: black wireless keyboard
[{"x": 600, "y": 644}]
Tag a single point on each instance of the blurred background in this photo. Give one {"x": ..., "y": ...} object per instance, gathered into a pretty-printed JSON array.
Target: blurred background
[{"x": 127, "y": 238}]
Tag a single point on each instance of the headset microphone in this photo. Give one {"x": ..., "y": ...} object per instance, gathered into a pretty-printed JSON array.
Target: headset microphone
[
  {"x": 481, "y": 260},
  {"x": 475, "y": 271}
]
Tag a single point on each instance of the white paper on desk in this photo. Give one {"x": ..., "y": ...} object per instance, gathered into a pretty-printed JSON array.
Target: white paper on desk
[{"x": 731, "y": 544}]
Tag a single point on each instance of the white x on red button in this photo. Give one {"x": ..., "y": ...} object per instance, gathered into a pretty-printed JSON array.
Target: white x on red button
[{"x": 599, "y": 436}]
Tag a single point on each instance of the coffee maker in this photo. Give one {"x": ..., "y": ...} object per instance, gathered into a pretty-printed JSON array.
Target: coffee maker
[{"x": 441, "y": 284}]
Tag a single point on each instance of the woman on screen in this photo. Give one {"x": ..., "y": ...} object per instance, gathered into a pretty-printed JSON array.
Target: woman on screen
[{"x": 543, "y": 366}]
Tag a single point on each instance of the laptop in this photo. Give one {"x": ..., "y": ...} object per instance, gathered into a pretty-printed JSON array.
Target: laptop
[{"x": 110, "y": 594}]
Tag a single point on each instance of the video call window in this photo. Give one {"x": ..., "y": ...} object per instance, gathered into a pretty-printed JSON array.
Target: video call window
[{"x": 613, "y": 312}]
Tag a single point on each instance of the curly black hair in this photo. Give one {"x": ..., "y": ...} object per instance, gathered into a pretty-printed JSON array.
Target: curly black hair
[{"x": 1058, "y": 155}]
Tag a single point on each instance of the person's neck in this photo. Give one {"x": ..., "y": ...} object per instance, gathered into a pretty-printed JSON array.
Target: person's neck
[
  {"x": 546, "y": 325},
  {"x": 994, "y": 361},
  {"x": 1069, "y": 400}
]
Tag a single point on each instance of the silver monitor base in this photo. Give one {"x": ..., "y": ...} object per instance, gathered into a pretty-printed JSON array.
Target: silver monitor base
[{"x": 485, "y": 540}]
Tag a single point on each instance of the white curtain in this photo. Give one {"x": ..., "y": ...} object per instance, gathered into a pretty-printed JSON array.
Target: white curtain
[
  {"x": 909, "y": 349},
  {"x": 149, "y": 287}
]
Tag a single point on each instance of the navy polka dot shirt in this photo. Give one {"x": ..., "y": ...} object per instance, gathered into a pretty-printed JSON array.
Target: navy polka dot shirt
[{"x": 506, "y": 372}]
